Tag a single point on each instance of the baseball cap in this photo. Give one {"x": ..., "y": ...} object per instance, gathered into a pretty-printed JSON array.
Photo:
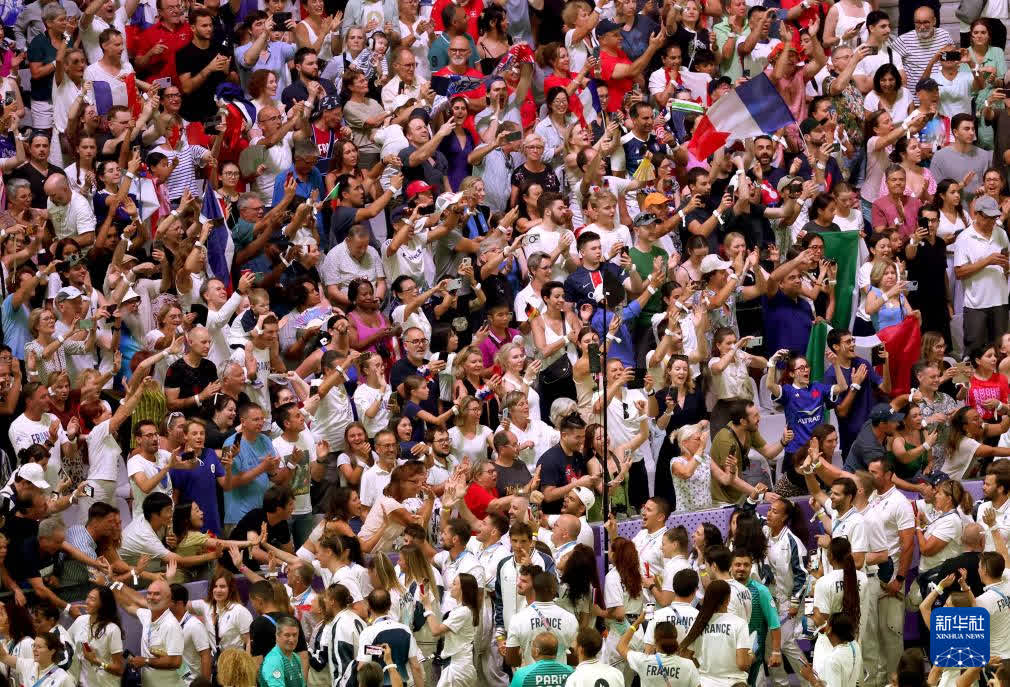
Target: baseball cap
[
  {"x": 32, "y": 472},
  {"x": 785, "y": 181},
  {"x": 644, "y": 219},
  {"x": 68, "y": 293},
  {"x": 808, "y": 125},
  {"x": 330, "y": 102},
  {"x": 718, "y": 81},
  {"x": 402, "y": 100},
  {"x": 927, "y": 84},
  {"x": 934, "y": 478},
  {"x": 605, "y": 26},
  {"x": 130, "y": 295},
  {"x": 586, "y": 496},
  {"x": 447, "y": 200},
  {"x": 713, "y": 263},
  {"x": 416, "y": 187},
  {"x": 987, "y": 206},
  {"x": 655, "y": 199},
  {"x": 882, "y": 412}
]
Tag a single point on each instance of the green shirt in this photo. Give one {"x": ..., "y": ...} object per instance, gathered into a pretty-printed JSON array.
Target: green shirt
[
  {"x": 543, "y": 673},
  {"x": 279, "y": 670},
  {"x": 643, "y": 265},
  {"x": 722, "y": 443}
]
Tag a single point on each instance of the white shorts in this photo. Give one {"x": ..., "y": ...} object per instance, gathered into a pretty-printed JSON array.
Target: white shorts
[{"x": 42, "y": 114}]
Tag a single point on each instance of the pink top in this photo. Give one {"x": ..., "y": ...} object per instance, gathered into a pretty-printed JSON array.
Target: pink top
[
  {"x": 885, "y": 213},
  {"x": 364, "y": 330}
]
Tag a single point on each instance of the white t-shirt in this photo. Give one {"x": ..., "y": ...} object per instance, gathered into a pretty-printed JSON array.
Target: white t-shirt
[
  {"x": 29, "y": 675},
  {"x": 459, "y": 639},
  {"x": 740, "y": 601},
  {"x": 540, "y": 617},
  {"x": 844, "y": 666},
  {"x": 869, "y": 65},
  {"x": 475, "y": 448},
  {"x": 672, "y": 566},
  {"x": 364, "y": 397},
  {"x": 24, "y": 432},
  {"x": 279, "y": 158},
  {"x": 682, "y": 616},
  {"x": 949, "y": 527},
  {"x": 661, "y": 670},
  {"x": 284, "y": 448},
  {"x": 162, "y": 637},
  {"x": 614, "y": 595},
  {"x": 996, "y": 600},
  {"x": 958, "y": 463},
  {"x": 828, "y": 594},
  {"x": 138, "y": 464},
  {"x": 716, "y": 649},
  {"x": 104, "y": 454},
  {"x": 107, "y": 643},
  {"x": 332, "y": 416},
  {"x": 374, "y": 480},
  {"x": 195, "y": 640},
  {"x": 232, "y": 623},
  {"x": 539, "y": 239}
]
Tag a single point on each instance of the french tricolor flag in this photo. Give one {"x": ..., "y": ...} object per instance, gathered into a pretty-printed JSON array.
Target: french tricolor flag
[
  {"x": 220, "y": 247},
  {"x": 752, "y": 109},
  {"x": 120, "y": 92}
]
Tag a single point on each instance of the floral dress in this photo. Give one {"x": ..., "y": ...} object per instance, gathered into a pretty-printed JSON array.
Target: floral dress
[
  {"x": 723, "y": 316},
  {"x": 57, "y": 362},
  {"x": 694, "y": 493},
  {"x": 943, "y": 403},
  {"x": 849, "y": 105}
]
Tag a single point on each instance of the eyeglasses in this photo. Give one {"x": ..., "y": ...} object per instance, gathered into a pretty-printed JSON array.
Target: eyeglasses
[
  {"x": 459, "y": 50},
  {"x": 172, "y": 95},
  {"x": 416, "y": 341},
  {"x": 275, "y": 118},
  {"x": 409, "y": 65},
  {"x": 803, "y": 366},
  {"x": 923, "y": 22},
  {"x": 230, "y": 173}
]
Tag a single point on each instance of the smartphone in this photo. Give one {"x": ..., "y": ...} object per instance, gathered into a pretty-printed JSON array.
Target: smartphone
[
  {"x": 374, "y": 650},
  {"x": 465, "y": 262},
  {"x": 650, "y": 611},
  {"x": 638, "y": 380},
  {"x": 596, "y": 52},
  {"x": 831, "y": 261},
  {"x": 874, "y": 50},
  {"x": 513, "y": 136},
  {"x": 89, "y": 491},
  {"x": 923, "y": 223},
  {"x": 505, "y": 414},
  {"x": 280, "y": 20},
  {"x": 912, "y": 286},
  {"x": 834, "y": 147},
  {"x": 951, "y": 56},
  {"x": 746, "y": 73},
  {"x": 875, "y": 357},
  {"x": 86, "y": 325},
  {"x": 455, "y": 284},
  {"x": 755, "y": 341},
  {"x": 859, "y": 26},
  {"x": 594, "y": 359}
]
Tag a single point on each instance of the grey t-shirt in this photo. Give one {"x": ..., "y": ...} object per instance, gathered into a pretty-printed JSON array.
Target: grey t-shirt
[
  {"x": 447, "y": 260},
  {"x": 948, "y": 163},
  {"x": 864, "y": 449}
]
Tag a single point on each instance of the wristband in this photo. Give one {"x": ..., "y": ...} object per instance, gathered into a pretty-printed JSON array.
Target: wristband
[
  {"x": 651, "y": 289},
  {"x": 174, "y": 213},
  {"x": 196, "y": 399},
  {"x": 455, "y": 410},
  {"x": 66, "y": 609},
  {"x": 131, "y": 176},
  {"x": 683, "y": 218},
  {"x": 821, "y": 166},
  {"x": 61, "y": 338},
  {"x": 390, "y": 666},
  {"x": 927, "y": 446},
  {"x": 40, "y": 275},
  {"x": 339, "y": 369},
  {"x": 477, "y": 287},
  {"x": 611, "y": 337},
  {"x": 733, "y": 275},
  {"x": 770, "y": 364},
  {"x": 198, "y": 245},
  {"x": 669, "y": 332},
  {"x": 855, "y": 386}
]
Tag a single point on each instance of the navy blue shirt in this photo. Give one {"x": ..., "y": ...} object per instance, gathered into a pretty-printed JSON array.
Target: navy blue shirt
[
  {"x": 635, "y": 149},
  {"x": 199, "y": 485},
  {"x": 579, "y": 285},
  {"x": 859, "y": 411},
  {"x": 556, "y": 470},
  {"x": 787, "y": 323}
]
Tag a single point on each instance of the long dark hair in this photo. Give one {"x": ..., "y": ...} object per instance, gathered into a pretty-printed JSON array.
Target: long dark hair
[
  {"x": 627, "y": 565},
  {"x": 468, "y": 592},
  {"x": 108, "y": 613},
  {"x": 713, "y": 537},
  {"x": 942, "y": 187},
  {"x": 337, "y": 505},
  {"x": 666, "y": 638},
  {"x": 840, "y": 555},
  {"x": 716, "y": 596},
  {"x": 182, "y": 519},
  {"x": 795, "y": 520},
  {"x": 750, "y": 535},
  {"x": 580, "y": 573}
]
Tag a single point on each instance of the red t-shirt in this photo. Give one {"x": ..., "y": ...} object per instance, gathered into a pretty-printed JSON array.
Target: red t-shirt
[
  {"x": 980, "y": 391},
  {"x": 473, "y": 9},
  {"x": 477, "y": 499},
  {"x": 617, "y": 87},
  {"x": 574, "y": 103},
  {"x": 161, "y": 65}
]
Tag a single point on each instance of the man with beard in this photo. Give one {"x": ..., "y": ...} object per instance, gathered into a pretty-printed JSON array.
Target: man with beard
[
  {"x": 162, "y": 640},
  {"x": 917, "y": 47},
  {"x": 37, "y": 170},
  {"x": 703, "y": 220},
  {"x": 202, "y": 67},
  {"x": 553, "y": 236},
  {"x": 308, "y": 81},
  {"x": 868, "y": 445},
  {"x": 817, "y": 144}
]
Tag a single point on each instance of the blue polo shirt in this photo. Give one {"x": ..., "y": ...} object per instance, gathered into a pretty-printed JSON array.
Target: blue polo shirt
[
  {"x": 859, "y": 411},
  {"x": 200, "y": 486},
  {"x": 303, "y": 189},
  {"x": 240, "y": 500},
  {"x": 787, "y": 323},
  {"x": 623, "y": 350}
]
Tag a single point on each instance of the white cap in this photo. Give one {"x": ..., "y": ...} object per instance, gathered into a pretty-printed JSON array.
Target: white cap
[
  {"x": 32, "y": 472},
  {"x": 713, "y": 263},
  {"x": 586, "y": 496},
  {"x": 68, "y": 293},
  {"x": 130, "y": 295},
  {"x": 401, "y": 100},
  {"x": 446, "y": 200}
]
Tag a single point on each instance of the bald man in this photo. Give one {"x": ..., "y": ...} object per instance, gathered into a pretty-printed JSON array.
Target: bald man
[
  {"x": 564, "y": 536},
  {"x": 70, "y": 212},
  {"x": 577, "y": 503},
  {"x": 161, "y": 638},
  {"x": 192, "y": 379},
  {"x": 546, "y": 670}
]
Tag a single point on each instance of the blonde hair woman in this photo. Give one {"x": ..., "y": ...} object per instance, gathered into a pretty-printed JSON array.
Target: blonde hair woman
[
  {"x": 519, "y": 374},
  {"x": 467, "y": 368},
  {"x": 236, "y": 668},
  {"x": 47, "y": 352},
  {"x": 886, "y": 303},
  {"x": 419, "y": 578},
  {"x": 469, "y": 437}
]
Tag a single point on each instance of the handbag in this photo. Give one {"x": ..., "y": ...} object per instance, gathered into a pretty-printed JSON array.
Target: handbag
[
  {"x": 969, "y": 10},
  {"x": 560, "y": 368}
]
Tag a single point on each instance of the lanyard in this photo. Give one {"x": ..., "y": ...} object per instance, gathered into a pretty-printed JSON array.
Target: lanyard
[
  {"x": 43, "y": 676},
  {"x": 662, "y": 670},
  {"x": 953, "y": 511}
]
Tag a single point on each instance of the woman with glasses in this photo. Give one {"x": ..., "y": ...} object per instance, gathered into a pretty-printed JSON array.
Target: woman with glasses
[
  {"x": 47, "y": 352},
  {"x": 229, "y": 176},
  {"x": 555, "y": 125},
  {"x": 804, "y": 401},
  {"x": 533, "y": 170}
]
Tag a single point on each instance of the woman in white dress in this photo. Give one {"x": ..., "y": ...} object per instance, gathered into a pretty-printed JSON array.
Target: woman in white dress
[
  {"x": 40, "y": 670},
  {"x": 720, "y": 640},
  {"x": 227, "y": 620},
  {"x": 470, "y": 438},
  {"x": 98, "y": 640},
  {"x": 458, "y": 628},
  {"x": 623, "y": 599},
  {"x": 841, "y": 590}
]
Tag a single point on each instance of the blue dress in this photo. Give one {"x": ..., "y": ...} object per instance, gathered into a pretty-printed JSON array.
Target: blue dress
[{"x": 888, "y": 316}]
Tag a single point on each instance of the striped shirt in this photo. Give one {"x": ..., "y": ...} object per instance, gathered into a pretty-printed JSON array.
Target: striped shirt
[
  {"x": 75, "y": 572},
  {"x": 916, "y": 54},
  {"x": 184, "y": 175}
]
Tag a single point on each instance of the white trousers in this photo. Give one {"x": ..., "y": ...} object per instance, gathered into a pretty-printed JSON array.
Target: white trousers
[{"x": 790, "y": 651}]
